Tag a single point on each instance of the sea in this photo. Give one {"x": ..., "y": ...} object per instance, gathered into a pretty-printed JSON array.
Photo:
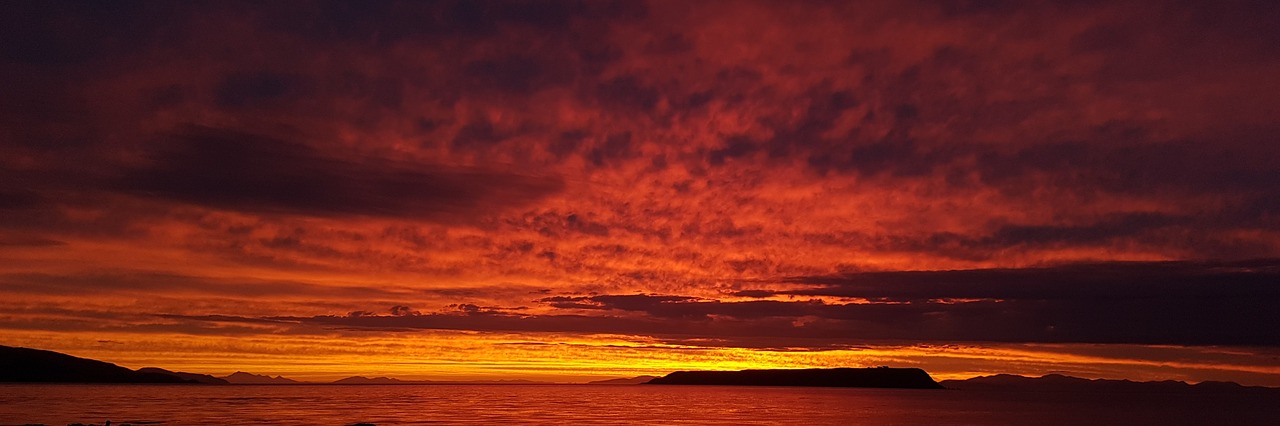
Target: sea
[{"x": 62, "y": 404}]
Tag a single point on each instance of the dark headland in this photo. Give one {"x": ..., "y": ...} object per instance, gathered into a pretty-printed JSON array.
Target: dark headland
[
  {"x": 638, "y": 380},
  {"x": 879, "y": 377},
  {"x": 37, "y": 366}
]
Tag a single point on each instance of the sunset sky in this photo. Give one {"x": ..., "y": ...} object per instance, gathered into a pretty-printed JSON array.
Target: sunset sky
[{"x": 570, "y": 191}]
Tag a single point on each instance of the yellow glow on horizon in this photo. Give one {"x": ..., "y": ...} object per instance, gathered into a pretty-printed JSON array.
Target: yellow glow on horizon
[{"x": 448, "y": 355}]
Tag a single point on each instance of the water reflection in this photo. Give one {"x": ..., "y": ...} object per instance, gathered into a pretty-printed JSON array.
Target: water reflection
[{"x": 605, "y": 404}]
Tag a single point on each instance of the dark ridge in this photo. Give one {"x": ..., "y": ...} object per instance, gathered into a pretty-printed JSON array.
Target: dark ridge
[
  {"x": 623, "y": 381},
  {"x": 879, "y": 377},
  {"x": 36, "y": 366},
  {"x": 361, "y": 380},
  {"x": 243, "y": 378},
  {"x": 190, "y": 377}
]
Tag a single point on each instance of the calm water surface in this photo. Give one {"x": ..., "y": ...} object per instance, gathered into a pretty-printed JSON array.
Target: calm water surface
[{"x": 618, "y": 404}]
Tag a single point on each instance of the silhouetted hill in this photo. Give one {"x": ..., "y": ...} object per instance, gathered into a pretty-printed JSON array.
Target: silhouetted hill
[
  {"x": 361, "y": 380},
  {"x": 1061, "y": 383},
  {"x": 881, "y": 377},
  {"x": 38, "y": 366},
  {"x": 243, "y": 378},
  {"x": 624, "y": 381},
  {"x": 191, "y": 377}
]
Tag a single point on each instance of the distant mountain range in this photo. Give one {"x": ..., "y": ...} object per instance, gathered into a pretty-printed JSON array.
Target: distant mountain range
[
  {"x": 243, "y": 378},
  {"x": 1061, "y": 383},
  {"x": 24, "y": 365},
  {"x": 624, "y": 381},
  {"x": 361, "y": 380},
  {"x": 189, "y": 377}
]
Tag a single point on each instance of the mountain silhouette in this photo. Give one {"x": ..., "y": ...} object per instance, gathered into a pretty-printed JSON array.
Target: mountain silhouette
[
  {"x": 361, "y": 380},
  {"x": 243, "y": 378},
  {"x": 39, "y": 366},
  {"x": 190, "y": 377},
  {"x": 879, "y": 377},
  {"x": 624, "y": 381}
]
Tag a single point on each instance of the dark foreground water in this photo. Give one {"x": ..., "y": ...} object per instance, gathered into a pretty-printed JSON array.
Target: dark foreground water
[{"x": 619, "y": 404}]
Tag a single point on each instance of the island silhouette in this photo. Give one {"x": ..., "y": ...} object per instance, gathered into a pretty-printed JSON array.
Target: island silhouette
[
  {"x": 876, "y": 377},
  {"x": 243, "y": 378}
]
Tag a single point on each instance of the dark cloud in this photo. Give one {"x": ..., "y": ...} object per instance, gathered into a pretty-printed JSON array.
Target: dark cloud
[
  {"x": 791, "y": 136},
  {"x": 1119, "y": 225},
  {"x": 690, "y": 308},
  {"x": 247, "y": 90},
  {"x": 240, "y": 171},
  {"x": 1084, "y": 281},
  {"x": 766, "y": 323},
  {"x": 753, "y": 293},
  {"x": 628, "y": 93},
  {"x": 518, "y": 74},
  {"x": 1183, "y": 303},
  {"x": 385, "y": 22},
  {"x": 28, "y": 241},
  {"x": 1127, "y": 167},
  {"x": 1112, "y": 159},
  {"x": 1174, "y": 303},
  {"x": 19, "y": 199},
  {"x": 968, "y": 8},
  {"x": 62, "y": 34},
  {"x": 470, "y": 317},
  {"x": 656, "y": 305},
  {"x": 474, "y": 309},
  {"x": 222, "y": 319},
  {"x": 1172, "y": 39},
  {"x": 479, "y": 133},
  {"x": 736, "y": 146},
  {"x": 613, "y": 148},
  {"x": 778, "y": 325},
  {"x": 402, "y": 310},
  {"x": 1106, "y": 230},
  {"x": 567, "y": 143},
  {"x": 162, "y": 284}
]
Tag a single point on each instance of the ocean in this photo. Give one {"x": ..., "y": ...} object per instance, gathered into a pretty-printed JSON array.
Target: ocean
[{"x": 382, "y": 405}]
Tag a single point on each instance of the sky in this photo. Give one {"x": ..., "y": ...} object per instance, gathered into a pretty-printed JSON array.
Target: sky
[{"x": 568, "y": 191}]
